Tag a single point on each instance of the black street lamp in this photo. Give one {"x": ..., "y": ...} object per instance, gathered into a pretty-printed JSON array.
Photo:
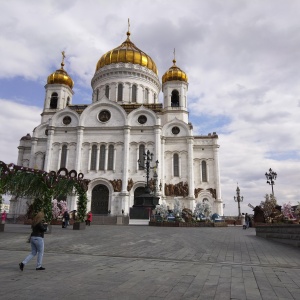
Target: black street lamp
[
  {"x": 238, "y": 199},
  {"x": 146, "y": 166},
  {"x": 271, "y": 176}
]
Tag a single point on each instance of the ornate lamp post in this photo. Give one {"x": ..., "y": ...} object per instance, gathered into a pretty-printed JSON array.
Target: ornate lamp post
[
  {"x": 146, "y": 166},
  {"x": 238, "y": 199},
  {"x": 271, "y": 176}
]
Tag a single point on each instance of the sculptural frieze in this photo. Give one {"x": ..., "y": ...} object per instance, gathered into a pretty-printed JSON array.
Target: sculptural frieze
[
  {"x": 117, "y": 185},
  {"x": 178, "y": 189}
]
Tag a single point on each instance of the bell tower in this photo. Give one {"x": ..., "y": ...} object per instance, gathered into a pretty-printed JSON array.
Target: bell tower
[
  {"x": 58, "y": 92},
  {"x": 174, "y": 88}
]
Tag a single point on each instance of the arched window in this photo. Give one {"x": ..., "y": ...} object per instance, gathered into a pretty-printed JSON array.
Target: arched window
[
  {"x": 141, "y": 157},
  {"x": 154, "y": 98},
  {"x": 107, "y": 91},
  {"x": 204, "y": 171},
  {"x": 102, "y": 157},
  {"x": 63, "y": 159},
  {"x": 175, "y": 98},
  {"x": 68, "y": 101},
  {"x": 146, "y": 95},
  {"x": 176, "y": 164},
  {"x": 93, "y": 157},
  {"x": 120, "y": 92},
  {"x": 133, "y": 97},
  {"x": 110, "y": 165},
  {"x": 53, "y": 100}
]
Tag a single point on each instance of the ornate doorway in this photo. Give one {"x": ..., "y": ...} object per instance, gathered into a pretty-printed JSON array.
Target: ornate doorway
[{"x": 100, "y": 197}]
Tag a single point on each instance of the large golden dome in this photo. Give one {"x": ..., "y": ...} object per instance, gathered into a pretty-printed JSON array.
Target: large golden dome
[
  {"x": 127, "y": 52},
  {"x": 60, "y": 76},
  {"x": 174, "y": 73}
]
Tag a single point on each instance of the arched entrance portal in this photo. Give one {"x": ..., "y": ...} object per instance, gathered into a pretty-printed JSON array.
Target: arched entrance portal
[
  {"x": 100, "y": 197},
  {"x": 139, "y": 191}
]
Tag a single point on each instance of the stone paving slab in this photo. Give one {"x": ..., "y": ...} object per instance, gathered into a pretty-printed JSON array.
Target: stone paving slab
[{"x": 141, "y": 262}]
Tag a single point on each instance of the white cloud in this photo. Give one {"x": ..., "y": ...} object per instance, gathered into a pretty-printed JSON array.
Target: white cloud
[{"x": 242, "y": 59}]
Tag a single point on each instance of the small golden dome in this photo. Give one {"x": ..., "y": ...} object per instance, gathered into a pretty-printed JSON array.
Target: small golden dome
[
  {"x": 127, "y": 52},
  {"x": 60, "y": 76},
  {"x": 174, "y": 73}
]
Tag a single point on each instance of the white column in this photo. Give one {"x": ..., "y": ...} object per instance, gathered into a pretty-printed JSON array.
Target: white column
[
  {"x": 59, "y": 157},
  {"x": 217, "y": 179},
  {"x": 89, "y": 161},
  {"x": 97, "y": 157},
  {"x": 158, "y": 150},
  {"x": 49, "y": 148},
  {"x": 137, "y": 158},
  {"x": 130, "y": 92},
  {"x": 126, "y": 158},
  {"x": 172, "y": 164},
  {"x": 191, "y": 166},
  {"x": 20, "y": 155},
  {"x": 67, "y": 156},
  {"x": 115, "y": 158},
  {"x": 32, "y": 152},
  {"x": 179, "y": 165},
  {"x": 162, "y": 166},
  {"x": 106, "y": 158},
  {"x": 116, "y": 92},
  {"x": 79, "y": 149}
]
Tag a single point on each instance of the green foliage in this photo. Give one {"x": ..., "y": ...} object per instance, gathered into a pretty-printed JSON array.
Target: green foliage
[{"x": 42, "y": 186}]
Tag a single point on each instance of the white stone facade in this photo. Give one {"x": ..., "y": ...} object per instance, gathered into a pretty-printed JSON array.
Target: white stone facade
[{"x": 104, "y": 140}]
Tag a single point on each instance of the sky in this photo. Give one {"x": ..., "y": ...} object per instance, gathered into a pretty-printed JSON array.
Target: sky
[{"x": 242, "y": 59}]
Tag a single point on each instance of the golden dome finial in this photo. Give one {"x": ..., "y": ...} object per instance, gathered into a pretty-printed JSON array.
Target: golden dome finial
[
  {"x": 128, "y": 32},
  {"x": 174, "y": 60},
  {"x": 174, "y": 73},
  {"x": 63, "y": 58},
  {"x": 60, "y": 76}
]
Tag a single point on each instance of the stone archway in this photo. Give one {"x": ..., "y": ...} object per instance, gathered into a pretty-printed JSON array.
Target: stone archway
[{"x": 100, "y": 199}]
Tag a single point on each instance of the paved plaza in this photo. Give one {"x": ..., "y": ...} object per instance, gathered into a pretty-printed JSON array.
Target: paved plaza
[{"x": 141, "y": 262}]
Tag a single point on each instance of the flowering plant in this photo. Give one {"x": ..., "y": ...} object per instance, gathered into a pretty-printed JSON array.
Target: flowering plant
[
  {"x": 287, "y": 211},
  {"x": 58, "y": 208}
]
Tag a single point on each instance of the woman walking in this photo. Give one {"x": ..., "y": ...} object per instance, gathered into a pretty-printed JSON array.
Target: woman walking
[{"x": 37, "y": 242}]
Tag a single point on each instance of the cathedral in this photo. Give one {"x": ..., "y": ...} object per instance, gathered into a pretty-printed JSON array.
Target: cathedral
[{"x": 108, "y": 140}]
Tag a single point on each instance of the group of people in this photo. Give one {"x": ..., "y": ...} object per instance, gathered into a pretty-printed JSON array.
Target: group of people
[
  {"x": 66, "y": 219},
  {"x": 246, "y": 221},
  {"x": 38, "y": 229}
]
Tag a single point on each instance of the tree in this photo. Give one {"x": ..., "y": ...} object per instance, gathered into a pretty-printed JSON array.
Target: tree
[{"x": 268, "y": 205}]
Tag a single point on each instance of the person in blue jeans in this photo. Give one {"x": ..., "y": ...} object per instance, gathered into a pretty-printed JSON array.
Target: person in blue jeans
[{"x": 39, "y": 227}]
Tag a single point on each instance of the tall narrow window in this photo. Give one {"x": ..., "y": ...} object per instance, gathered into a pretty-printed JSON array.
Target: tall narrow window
[
  {"x": 204, "y": 171},
  {"x": 63, "y": 159},
  {"x": 146, "y": 95},
  {"x": 134, "y": 89},
  {"x": 141, "y": 157},
  {"x": 93, "y": 157},
  {"x": 176, "y": 164},
  {"x": 107, "y": 91},
  {"x": 175, "y": 98},
  {"x": 53, "y": 100},
  {"x": 110, "y": 165},
  {"x": 154, "y": 98},
  {"x": 102, "y": 158},
  {"x": 120, "y": 92}
]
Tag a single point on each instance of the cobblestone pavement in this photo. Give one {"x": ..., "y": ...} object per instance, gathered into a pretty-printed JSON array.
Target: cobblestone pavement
[{"x": 141, "y": 262}]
